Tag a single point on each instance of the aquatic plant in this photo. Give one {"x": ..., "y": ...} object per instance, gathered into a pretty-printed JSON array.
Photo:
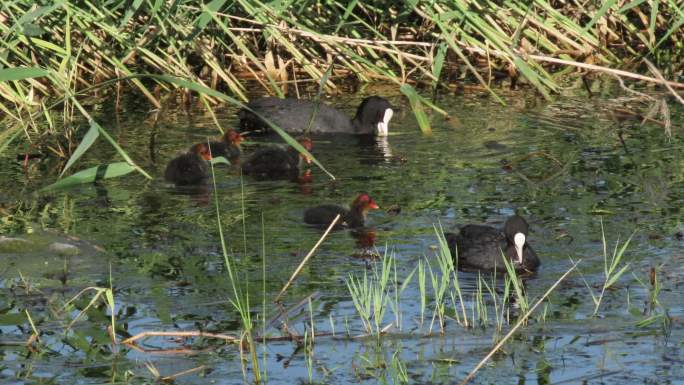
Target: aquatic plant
[
  {"x": 518, "y": 287},
  {"x": 447, "y": 266},
  {"x": 522, "y": 320},
  {"x": 371, "y": 295},
  {"x": 654, "y": 310},
  {"x": 240, "y": 300},
  {"x": 612, "y": 271},
  {"x": 63, "y": 54},
  {"x": 440, "y": 284}
]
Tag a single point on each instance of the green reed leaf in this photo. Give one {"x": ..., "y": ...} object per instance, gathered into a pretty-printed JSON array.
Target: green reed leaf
[
  {"x": 417, "y": 107},
  {"x": 21, "y": 73},
  {"x": 91, "y": 175},
  {"x": 86, "y": 142}
]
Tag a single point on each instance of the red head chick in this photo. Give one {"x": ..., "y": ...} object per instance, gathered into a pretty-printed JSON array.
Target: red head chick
[
  {"x": 364, "y": 202},
  {"x": 233, "y": 137},
  {"x": 307, "y": 143},
  {"x": 202, "y": 150}
]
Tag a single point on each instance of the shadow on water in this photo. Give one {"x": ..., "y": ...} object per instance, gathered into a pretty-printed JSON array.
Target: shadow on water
[{"x": 563, "y": 165}]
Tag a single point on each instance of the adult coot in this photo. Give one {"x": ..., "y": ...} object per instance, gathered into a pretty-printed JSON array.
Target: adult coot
[
  {"x": 480, "y": 247},
  {"x": 277, "y": 162},
  {"x": 353, "y": 217},
  {"x": 228, "y": 147},
  {"x": 190, "y": 167},
  {"x": 293, "y": 115}
]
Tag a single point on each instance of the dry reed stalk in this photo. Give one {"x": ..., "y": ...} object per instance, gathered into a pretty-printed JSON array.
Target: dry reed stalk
[
  {"x": 184, "y": 334},
  {"x": 306, "y": 258}
]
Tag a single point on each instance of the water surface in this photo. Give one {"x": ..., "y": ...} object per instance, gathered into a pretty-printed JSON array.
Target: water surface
[{"x": 564, "y": 165}]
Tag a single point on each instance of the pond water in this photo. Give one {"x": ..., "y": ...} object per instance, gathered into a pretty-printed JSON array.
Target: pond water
[{"x": 564, "y": 165}]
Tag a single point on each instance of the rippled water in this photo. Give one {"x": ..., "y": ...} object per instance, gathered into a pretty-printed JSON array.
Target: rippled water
[{"x": 167, "y": 267}]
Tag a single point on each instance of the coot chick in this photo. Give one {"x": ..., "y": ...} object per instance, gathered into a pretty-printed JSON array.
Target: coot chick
[
  {"x": 228, "y": 147},
  {"x": 354, "y": 217},
  {"x": 276, "y": 162},
  {"x": 293, "y": 115},
  {"x": 479, "y": 247},
  {"x": 189, "y": 168}
]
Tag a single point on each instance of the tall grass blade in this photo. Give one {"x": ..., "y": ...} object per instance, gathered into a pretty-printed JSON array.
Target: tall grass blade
[
  {"x": 21, "y": 73},
  {"x": 345, "y": 16},
  {"x": 132, "y": 9},
  {"x": 317, "y": 99},
  {"x": 598, "y": 15},
  {"x": 438, "y": 63},
  {"x": 417, "y": 107},
  {"x": 86, "y": 142},
  {"x": 652, "y": 23},
  {"x": 240, "y": 300},
  {"x": 92, "y": 174},
  {"x": 206, "y": 16}
]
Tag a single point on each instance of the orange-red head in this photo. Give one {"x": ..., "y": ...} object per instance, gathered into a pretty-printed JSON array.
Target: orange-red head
[
  {"x": 201, "y": 149},
  {"x": 307, "y": 143},
  {"x": 233, "y": 137},
  {"x": 365, "y": 202}
]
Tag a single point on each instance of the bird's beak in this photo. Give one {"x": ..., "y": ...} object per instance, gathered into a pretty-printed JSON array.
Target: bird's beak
[
  {"x": 373, "y": 206},
  {"x": 383, "y": 127},
  {"x": 519, "y": 240}
]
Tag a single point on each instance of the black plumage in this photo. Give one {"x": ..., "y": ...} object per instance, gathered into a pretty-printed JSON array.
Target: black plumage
[
  {"x": 293, "y": 115},
  {"x": 189, "y": 168},
  {"x": 276, "y": 162},
  {"x": 480, "y": 247},
  {"x": 353, "y": 217}
]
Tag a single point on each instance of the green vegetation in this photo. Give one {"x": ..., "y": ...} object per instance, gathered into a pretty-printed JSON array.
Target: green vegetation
[
  {"x": 612, "y": 271},
  {"x": 240, "y": 297},
  {"x": 61, "y": 58}
]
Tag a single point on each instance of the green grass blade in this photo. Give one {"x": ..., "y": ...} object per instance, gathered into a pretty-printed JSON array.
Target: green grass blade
[
  {"x": 652, "y": 21},
  {"x": 130, "y": 12},
  {"x": 631, "y": 5},
  {"x": 39, "y": 12},
  {"x": 106, "y": 135},
  {"x": 438, "y": 63},
  {"x": 615, "y": 276},
  {"x": 417, "y": 107},
  {"x": 345, "y": 16},
  {"x": 86, "y": 142},
  {"x": 21, "y": 73},
  {"x": 206, "y": 17},
  {"x": 321, "y": 89},
  {"x": 92, "y": 174},
  {"x": 676, "y": 26},
  {"x": 219, "y": 160},
  {"x": 531, "y": 75},
  {"x": 599, "y": 14}
]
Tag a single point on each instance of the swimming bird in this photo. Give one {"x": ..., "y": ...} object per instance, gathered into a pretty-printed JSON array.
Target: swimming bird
[
  {"x": 293, "y": 115},
  {"x": 275, "y": 162},
  {"x": 480, "y": 247},
  {"x": 353, "y": 217},
  {"x": 189, "y": 168}
]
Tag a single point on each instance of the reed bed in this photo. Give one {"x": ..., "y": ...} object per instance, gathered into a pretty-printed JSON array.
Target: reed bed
[
  {"x": 62, "y": 58},
  {"x": 85, "y": 49}
]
